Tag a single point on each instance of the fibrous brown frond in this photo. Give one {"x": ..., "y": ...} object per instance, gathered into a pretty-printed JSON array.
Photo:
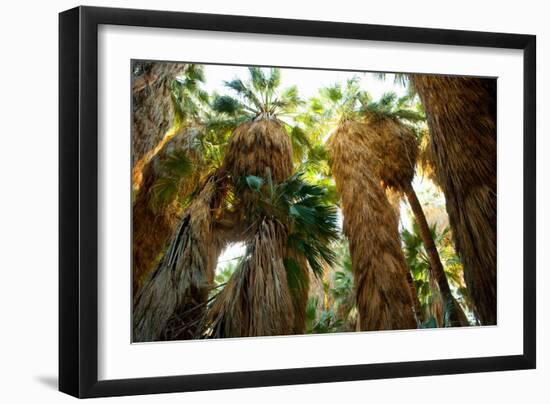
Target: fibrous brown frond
[
  {"x": 426, "y": 159},
  {"x": 257, "y": 300},
  {"x": 461, "y": 115},
  {"x": 393, "y": 149},
  {"x": 177, "y": 290},
  {"x": 395, "y": 197},
  {"x": 257, "y": 145},
  {"x": 383, "y": 295}
]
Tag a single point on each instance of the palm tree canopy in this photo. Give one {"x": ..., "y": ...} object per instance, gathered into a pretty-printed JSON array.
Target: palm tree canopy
[
  {"x": 189, "y": 98},
  {"x": 405, "y": 108},
  {"x": 259, "y": 96}
]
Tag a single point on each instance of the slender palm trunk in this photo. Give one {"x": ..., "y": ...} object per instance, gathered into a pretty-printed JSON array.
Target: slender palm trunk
[
  {"x": 456, "y": 314},
  {"x": 394, "y": 198},
  {"x": 416, "y": 302}
]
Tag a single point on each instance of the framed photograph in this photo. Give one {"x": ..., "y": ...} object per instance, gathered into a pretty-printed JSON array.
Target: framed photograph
[{"x": 251, "y": 201}]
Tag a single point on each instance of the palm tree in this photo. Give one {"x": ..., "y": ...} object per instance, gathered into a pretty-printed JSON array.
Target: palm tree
[
  {"x": 260, "y": 139},
  {"x": 394, "y": 141},
  {"x": 168, "y": 175},
  {"x": 291, "y": 229},
  {"x": 430, "y": 301},
  {"x": 153, "y": 111},
  {"x": 263, "y": 142},
  {"x": 163, "y": 115},
  {"x": 383, "y": 294},
  {"x": 173, "y": 298},
  {"x": 331, "y": 305},
  {"x": 455, "y": 313},
  {"x": 157, "y": 206},
  {"x": 461, "y": 114},
  {"x": 433, "y": 307},
  {"x": 172, "y": 303}
]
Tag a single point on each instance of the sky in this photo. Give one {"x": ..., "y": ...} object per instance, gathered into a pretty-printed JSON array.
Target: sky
[{"x": 308, "y": 82}]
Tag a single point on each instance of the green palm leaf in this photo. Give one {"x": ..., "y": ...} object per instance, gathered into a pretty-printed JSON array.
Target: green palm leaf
[{"x": 312, "y": 223}]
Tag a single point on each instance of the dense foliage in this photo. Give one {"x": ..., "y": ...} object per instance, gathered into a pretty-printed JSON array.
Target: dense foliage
[{"x": 257, "y": 195}]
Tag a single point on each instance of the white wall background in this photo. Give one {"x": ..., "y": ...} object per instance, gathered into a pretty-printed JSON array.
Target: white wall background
[{"x": 28, "y": 201}]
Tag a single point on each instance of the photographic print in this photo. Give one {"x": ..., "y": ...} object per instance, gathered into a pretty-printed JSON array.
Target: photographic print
[
  {"x": 245, "y": 192},
  {"x": 273, "y": 201}
]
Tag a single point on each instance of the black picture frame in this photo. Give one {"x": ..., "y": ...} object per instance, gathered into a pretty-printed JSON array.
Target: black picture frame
[{"x": 78, "y": 201}]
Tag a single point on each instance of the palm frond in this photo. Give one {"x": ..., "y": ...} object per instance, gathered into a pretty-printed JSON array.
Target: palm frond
[
  {"x": 332, "y": 93},
  {"x": 163, "y": 192},
  {"x": 189, "y": 99},
  {"x": 258, "y": 79},
  {"x": 178, "y": 164},
  {"x": 287, "y": 102},
  {"x": 296, "y": 277},
  {"x": 226, "y": 104},
  {"x": 259, "y": 95},
  {"x": 245, "y": 92},
  {"x": 195, "y": 72},
  {"x": 300, "y": 143},
  {"x": 274, "y": 79},
  {"x": 312, "y": 223},
  {"x": 387, "y": 100},
  {"x": 398, "y": 78}
]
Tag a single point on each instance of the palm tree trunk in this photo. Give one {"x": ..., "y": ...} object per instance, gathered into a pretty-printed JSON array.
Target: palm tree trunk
[
  {"x": 394, "y": 198},
  {"x": 416, "y": 302},
  {"x": 461, "y": 114},
  {"x": 456, "y": 315},
  {"x": 383, "y": 294},
  {"x": 173, "y": 299},
  {"x": 152, "y": 127},
  {"x": 257, "y": 300},
  {"x": 153, "y": 223},
  {"x": 153, "y": 112}
]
